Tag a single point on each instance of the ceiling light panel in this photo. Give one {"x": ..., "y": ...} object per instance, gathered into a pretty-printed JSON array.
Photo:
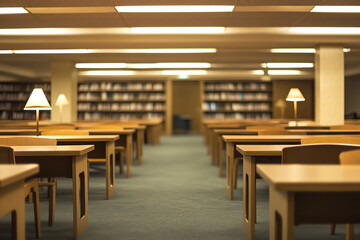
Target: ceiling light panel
[
  {"x": 283, "y": 72},
  {"x": 52, "y": 51},
  {"x": 177, "y": 30},
  {"x": 13, "y": 10},
  {"x": 325, "y": 30},
  {"x": 66, "y": 10},
  {"x": 174, "y": 8},
  {"x": 287, "y": 65},
  {"x": 336, "y": 9}
]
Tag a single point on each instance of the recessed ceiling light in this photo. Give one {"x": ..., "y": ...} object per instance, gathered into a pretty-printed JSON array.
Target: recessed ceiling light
[
  {"x": 52, "y": 51},
  {"x": 177, "y": 30},
  {"x": 325, "y": 30},
  {"x": 183, "y": 76},
  {"x": 12, "y": 10},
  {"x": 337, "y": 9},
  {"x": 6, "y": 52},
  {"x": 299, "y": 50},
  {"x": 184, "y": 72},
  {"x": 100, "y": 65},
  {"x": 284, "y": 72},
  {"x": 176, "y": 8},
  {"x": 105, "y": 73},
  {"x": 258, "y": 72},
  {"x": 287, "y": 65}
]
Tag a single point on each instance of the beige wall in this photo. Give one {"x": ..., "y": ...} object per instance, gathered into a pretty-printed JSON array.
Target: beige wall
[
  {"x": 186, "y": 101},
  {"x": 281, "y": 89}
]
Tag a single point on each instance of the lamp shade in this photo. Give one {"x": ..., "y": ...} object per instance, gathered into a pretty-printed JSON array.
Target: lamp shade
[
  {"x": 280, "y": 103},
  {"x": 61, "y": 100},
  {"x": 37, "y": 101},
  {"x": 295, "y": 95}
]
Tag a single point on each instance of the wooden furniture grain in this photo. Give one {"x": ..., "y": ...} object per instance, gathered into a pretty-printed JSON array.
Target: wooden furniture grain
[
  {"x": 302, "y": 194},
  {"x": 63, "y": 161},
  {"x": 12, "y": 200}
]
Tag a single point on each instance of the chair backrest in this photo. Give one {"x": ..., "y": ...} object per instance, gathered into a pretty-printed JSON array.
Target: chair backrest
[
  {"x": 265, "y": 127},
  {"x": 27, "y": 141},
  {"x": 345, "y": 127},
  {"x": 64, "y": 132},
  {"x": 331, "y": 139},
  {"x": 350, "y": 157},
  {"x": 280, "y": 132},
  {"x": 316, "y": 153},
  {"x": 7, "y": 155}
]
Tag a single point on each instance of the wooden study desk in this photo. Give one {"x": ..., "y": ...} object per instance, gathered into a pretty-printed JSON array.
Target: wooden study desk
[
  {"x": 310, "y": 194},
  {"x": 232, "y": 140},
  {"x": 12, "y": 199},
  {"x": 252, "y": 155},
  {"x": 63, "y": 161},
  {"x": 104, "y": 149}
]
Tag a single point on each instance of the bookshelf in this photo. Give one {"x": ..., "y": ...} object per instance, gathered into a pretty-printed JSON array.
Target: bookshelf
[
  {"x": 121, "y": 100},
  {"x": 13, "y": 97},
  {"x": 237, "y": 100}
]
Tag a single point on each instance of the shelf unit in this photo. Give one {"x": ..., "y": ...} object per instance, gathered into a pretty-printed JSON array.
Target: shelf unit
[
  {"x": 121, "y": 100},
  {"x": 13, "y": 97},
  {"x": 237, "y": 100}
]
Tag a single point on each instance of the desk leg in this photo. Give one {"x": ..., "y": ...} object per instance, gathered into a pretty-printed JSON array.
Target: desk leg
[
  {"x": 281, "y": 215},
  {"x": 220, "y": 157},
  {"x": 128, "y": 155},
  {"x": 215, "y": 148},
  {"x": 249, "y": 196},
  {"x": 110, "y": 169},
  {"x": 140, "y": 142},
  {"x": 80, "y": 194},
  {"x": 229, "y": 170}
]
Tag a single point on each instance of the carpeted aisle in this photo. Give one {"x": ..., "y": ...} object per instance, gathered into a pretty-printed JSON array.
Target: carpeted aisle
[{"x": 175, "y": 194}]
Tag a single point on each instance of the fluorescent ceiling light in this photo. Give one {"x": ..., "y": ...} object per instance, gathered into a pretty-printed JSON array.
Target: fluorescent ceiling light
[
  {"x": 70, "y": 10},
  {"x": 287, "y": 65},
  {"x": 337, "y": 9},
  {"x": 325, "y": 30},
  {"x": 176, "y": 8},
  {"x": 6, "y": 52},
  {"x": 179, "y": 72},
  {"x": 299, "y": 50},
  {"x": 258, "y": 72},
  {"x": 183, "y": 65},
  {"x": 183, "y": 76},
  {"x": 283, "y": 72},
  {"x": 12, "y": 10},
  {"x": 177, "y": 30},
  {"x": 105, "y": 73},
  {"x": 100, "y": 65},
  {"x": 157, "y": 50},
  {"x": 52, "y": 51}
]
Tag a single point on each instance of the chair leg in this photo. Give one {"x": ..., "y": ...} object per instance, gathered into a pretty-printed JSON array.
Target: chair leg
[
  {"x": 121, "y": 162},
  {"x": 349, "y": 231},
  {"x": 332, "y": 230},
  {"x": 52, "y": 198},
  {"x": 36, "y": 211}
]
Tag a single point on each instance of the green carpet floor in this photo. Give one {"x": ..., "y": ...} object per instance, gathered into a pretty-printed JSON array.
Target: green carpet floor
[{"x": 175, "y": 194}]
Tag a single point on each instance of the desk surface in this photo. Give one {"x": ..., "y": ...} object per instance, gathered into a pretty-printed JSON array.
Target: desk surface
[
  {"x": 84, "y": 138},
  {"x": 65, "y": 150},
  {"x": 11, "y": 173},
  {"x": 264, "y": 138},
  {"x": 304, "y": 177},
  {"x": 111, "y": 131},
  {"x": 261, "y": 150}
]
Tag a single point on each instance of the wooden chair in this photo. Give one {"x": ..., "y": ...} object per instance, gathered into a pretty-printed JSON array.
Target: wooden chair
[
  {"x": 30, "y": 187},
  {"x": 350, "y": 158},
  {"x": 280, "y": 132},
  {"x": 51, "y": 184},
  {"x": 326, "y": 153},
  {"x": 265, "y": 127}
]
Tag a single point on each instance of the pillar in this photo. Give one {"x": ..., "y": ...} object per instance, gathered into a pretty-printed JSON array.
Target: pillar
[
  {"x": 329, "y": 85},
  {"x": 64, "y": 80}
]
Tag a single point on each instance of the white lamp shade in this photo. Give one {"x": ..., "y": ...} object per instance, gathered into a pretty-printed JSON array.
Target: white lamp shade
[
  {"x": 280, "y": 103},
  {"x": 37, "y": 101},
  {"x": 295, "y": 95},
  {"x": 61, "y": 100}
]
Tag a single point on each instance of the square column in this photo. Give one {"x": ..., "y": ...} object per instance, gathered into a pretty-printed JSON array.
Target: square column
[
  {"x": 329, "y": 85},
  {"x": 64, "y": 81}
]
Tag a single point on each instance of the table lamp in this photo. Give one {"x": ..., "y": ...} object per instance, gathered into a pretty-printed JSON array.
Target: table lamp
[
  {"x": 295, "y": 96},
  {"x": 61, "y": 101},
  {"x": 37, "y": 101}
]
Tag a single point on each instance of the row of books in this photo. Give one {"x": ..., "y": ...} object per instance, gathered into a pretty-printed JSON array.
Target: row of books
[
  {"x": 24, "y": 86},
  {"x": 119, "y": 116},
  {"x": 237, "y": 116},
  {"x": 237, "y": 96},
  {"x": 121, "y": 107},
  {"x": 17, "y": 96},
  {"x": 103, "y": 96},
  {"x": 23, "y": 115},
  {"x": 236, "y": 107},
  {"x": 256, "y": 86},
  {"x": 109, "y": 86}
]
